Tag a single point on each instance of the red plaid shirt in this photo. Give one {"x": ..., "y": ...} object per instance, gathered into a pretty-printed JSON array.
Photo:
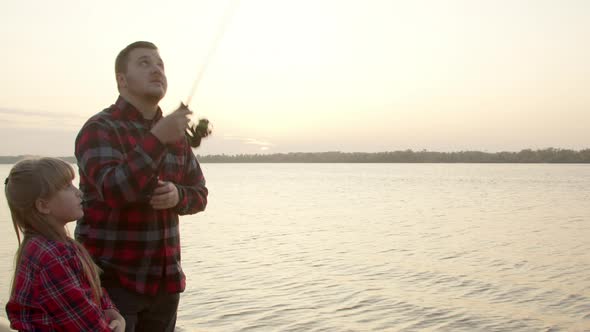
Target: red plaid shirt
[
  {"x": 51, "y": 292},
  {"x": 120, "y": 162}
]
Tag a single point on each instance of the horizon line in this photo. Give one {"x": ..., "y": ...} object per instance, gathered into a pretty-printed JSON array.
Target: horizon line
[{"x": 341, "y": 152}]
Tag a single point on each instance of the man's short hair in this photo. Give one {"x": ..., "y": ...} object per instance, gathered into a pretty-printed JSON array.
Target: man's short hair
[{"x": 123, "y": 58}]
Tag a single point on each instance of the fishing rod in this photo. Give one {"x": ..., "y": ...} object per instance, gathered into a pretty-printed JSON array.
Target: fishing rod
[{"x": 195, "y": 133}]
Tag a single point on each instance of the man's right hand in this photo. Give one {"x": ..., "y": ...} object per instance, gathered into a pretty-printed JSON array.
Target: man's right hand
[{"x": 172, "y": 127}]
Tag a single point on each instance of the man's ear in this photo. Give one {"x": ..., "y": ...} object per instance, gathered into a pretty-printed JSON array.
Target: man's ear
[
  {"x": 42, "y": 206},
  {"x": 121, "y": 80}
]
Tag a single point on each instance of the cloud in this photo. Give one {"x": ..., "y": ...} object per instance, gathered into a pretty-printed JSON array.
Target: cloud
[
  {"x": 37, "y": 141},
  {"x": 249, "y": 141},
  {"x": 20, "y": 118},
  {"x": 233, "y": 144},
  {"x": 253, "y": 141},
  {"x": 41, "y": 113}
]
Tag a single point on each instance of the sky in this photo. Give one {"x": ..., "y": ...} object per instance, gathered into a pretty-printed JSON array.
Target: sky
[{"x": 310, "y": 75}]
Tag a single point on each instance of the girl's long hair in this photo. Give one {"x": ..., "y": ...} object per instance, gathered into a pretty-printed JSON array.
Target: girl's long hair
[{"x": 33, "y": 179}]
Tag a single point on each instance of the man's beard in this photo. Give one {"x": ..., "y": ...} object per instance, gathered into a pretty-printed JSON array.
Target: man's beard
[
  {"x": 154, "y": 96},
  {"x": 146, "y": 93}
]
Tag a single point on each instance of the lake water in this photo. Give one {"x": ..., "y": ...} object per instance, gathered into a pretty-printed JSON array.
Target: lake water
[{"x": 382, "y": 247}]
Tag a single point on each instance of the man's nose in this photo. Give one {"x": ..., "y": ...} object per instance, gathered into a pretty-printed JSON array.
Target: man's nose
[{"x": 157, "y": 69}]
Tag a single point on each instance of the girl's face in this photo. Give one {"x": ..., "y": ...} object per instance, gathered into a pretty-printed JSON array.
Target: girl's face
[{"x": 66, "y": 204}]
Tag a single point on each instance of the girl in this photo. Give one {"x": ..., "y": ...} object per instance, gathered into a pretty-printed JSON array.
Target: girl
[{"x": 56, "y": 286}]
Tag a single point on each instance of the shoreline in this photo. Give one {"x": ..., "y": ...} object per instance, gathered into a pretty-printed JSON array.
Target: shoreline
[{"x": 527, "y": 156}]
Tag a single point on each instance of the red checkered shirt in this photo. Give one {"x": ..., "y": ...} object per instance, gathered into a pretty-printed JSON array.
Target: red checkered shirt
[
  {"x": 120, "y": 162},
  {"x": 51, "y": 292}
]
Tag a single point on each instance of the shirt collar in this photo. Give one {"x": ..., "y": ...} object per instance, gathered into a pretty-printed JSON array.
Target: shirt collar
[{"x": 125, "y": 110}]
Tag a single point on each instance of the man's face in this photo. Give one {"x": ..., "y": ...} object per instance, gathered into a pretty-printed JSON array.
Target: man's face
[{"x": 145, "y": 77}]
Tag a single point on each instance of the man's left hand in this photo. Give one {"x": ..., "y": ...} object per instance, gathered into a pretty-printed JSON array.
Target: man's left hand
[{"x": 165, "y": 196}]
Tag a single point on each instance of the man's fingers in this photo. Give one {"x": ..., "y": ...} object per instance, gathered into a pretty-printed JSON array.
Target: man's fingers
[
  {"x": 163, "y": 187},
  {"x": 183, "y": 112},
  {"x": 161, "y": 190},
  {"x": 162, "y": 201},
  {"x": 164, "y": 196}
]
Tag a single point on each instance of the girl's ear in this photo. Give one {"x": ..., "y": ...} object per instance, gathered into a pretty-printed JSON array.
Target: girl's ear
[{"x": 42, "y": 206}]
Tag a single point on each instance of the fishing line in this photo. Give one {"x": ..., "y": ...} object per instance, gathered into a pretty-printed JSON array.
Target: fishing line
[
  {"x": 220, "y": 32},
  {"x": 195, "y": 132}
]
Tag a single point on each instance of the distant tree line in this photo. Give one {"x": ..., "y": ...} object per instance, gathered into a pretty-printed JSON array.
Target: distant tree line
[{"x": 549, "y": 155}]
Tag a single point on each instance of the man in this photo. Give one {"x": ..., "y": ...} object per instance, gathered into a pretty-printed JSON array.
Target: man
[{"x": 138, "y": 174}]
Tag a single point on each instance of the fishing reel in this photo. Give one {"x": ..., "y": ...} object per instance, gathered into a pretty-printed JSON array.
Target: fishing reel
[{"x": 195, "y": 132}]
